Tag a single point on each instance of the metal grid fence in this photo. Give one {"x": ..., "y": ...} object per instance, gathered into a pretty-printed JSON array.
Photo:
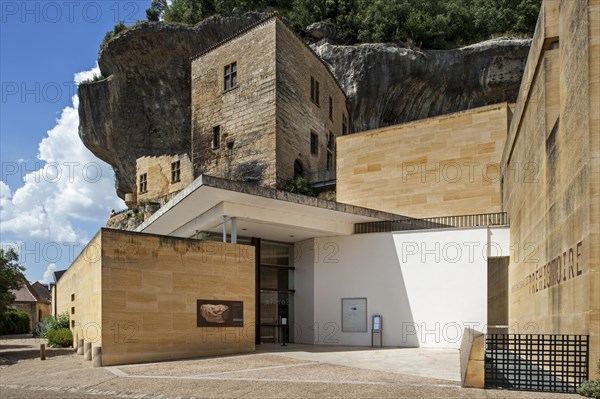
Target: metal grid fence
[{"x": 536, "y": 362}]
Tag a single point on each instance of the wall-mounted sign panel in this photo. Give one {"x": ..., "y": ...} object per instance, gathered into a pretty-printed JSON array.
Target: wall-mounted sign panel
[
  {"x": 376, "y": 323},
  {"x": 354, "y": 314},
  {"x": 218, "y": 313}
]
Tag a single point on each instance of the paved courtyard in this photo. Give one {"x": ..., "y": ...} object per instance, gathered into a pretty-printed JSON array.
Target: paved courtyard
[{"x": 295, "y": 371}]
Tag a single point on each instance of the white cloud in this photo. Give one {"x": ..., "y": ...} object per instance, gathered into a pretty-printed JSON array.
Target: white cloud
[
  {"x": 73, "y": 186},
  {"x": 5, "y": 192},
  {"x": 48, "y": 274},
  {"x": 86, "y": 75}
]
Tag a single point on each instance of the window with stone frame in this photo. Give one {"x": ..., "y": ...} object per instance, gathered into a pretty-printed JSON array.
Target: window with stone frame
[
  {"x": 216, "y": 142},
  {"x": 143, "y": 183},
  {"x": 175, "y": 171},
  {"x": 330, "y": 150},
  {"x": 314, "y": 143},
  {"x": 314, "y": 90},
  {"x": 230, "y": 76}
]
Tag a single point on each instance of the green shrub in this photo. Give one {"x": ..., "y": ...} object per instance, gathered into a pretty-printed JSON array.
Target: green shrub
[
  {"x": 52, "y": 324},
  {"x": 14, "y": 322},
  {"x": 299, "y": 185},
  {"x": 61, "y": 338},
  {"x": 95, "y": 78},
  {"x": 591, "y": 388},
  {"x": 120, "y": 27}
]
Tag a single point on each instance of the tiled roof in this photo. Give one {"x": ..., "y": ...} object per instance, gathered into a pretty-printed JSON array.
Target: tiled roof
[
  {"x": 26, "y": 293},
  {"x": 32, "y": 293},
  {"x": 43, "y": 292},
  {"x": 58, "y": 274}
]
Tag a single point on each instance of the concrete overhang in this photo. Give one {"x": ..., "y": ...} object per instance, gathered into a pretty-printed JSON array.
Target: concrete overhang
[{"x": 259, "y": 211}]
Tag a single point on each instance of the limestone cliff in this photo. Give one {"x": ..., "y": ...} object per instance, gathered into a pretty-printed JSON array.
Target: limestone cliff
[
  {"x": 143, "y": 105},
  {"x": 387, "y": 84}
]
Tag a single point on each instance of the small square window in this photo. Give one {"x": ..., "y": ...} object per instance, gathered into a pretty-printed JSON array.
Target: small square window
[
  {"x": 175, "y": 171},
  {"x": 314, "y": 90},
  {"x": 314, "y": 143},
  {"x": 73, "y": 310},
  {"x": 143, "y": 183},
  {"x": 230, "y": 76},
  {"x": 72, "y": 323},
  {"x": 72, "y": 297},
  {"x": 216, "y": 143}
]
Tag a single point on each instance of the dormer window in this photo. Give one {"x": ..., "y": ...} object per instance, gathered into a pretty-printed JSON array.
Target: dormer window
[{"x": 230, "y": 76}]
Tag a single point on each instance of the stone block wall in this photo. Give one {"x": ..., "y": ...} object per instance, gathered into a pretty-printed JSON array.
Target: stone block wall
[
  {"x": 298, "y": 115},
  {"x": 245, "y": 114},
  {"x": 554, "y": 276},
  {"x": 79, "y": 293},
  {"x": 441, "y": 166},
  {"x": 159, "y": 181},
  {"x": 135, "y": 295}
]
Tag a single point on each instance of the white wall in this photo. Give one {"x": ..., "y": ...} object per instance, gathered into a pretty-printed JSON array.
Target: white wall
[
  {"x": 304, "y": 284},
  {"x": 428, "y": 285}
]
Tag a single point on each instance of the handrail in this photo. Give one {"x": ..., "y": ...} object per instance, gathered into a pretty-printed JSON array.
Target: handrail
[{"x": 440, "y": 222}]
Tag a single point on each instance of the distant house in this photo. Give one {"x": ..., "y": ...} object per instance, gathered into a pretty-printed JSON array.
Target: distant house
[{"x": 35, "y": 300}]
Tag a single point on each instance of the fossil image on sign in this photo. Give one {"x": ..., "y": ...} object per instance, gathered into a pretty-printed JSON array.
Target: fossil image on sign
[
  {"x": 219, "y": 313},
  {"x": 214, "y": 313}
]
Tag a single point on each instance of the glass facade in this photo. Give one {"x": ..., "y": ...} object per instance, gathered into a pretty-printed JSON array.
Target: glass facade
[
  {"x": 276, "y": 291},
  {"x": 275, "y": 288}
]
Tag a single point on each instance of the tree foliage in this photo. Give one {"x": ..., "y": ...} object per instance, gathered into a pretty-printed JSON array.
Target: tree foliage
[
  {"x": 434, "y": 24},
  {"x": 11, "y": 277},
  {"x": 14, "y": 322}
]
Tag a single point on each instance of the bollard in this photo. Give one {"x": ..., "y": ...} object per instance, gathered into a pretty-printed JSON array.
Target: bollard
[
  {"x": 42, "y": 351},
  {"x": 80, "y": 346},
  {"x": 87, "y": 350},
  {"x": 97, "y": 356}
]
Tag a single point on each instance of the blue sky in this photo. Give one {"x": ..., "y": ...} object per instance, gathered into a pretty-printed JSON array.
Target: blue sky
[{"x": 54, "y": 194}]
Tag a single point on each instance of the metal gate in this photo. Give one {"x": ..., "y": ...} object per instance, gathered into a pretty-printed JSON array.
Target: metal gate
[{"x": 536, "y": 362}]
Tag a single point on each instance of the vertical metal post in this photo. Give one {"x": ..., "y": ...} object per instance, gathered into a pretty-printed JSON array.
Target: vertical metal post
[
  {"x": 234, "y": 230},
  {"x": 224, "y": 228}
]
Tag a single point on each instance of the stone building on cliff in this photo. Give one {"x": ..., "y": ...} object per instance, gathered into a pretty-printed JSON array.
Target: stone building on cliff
[
  {"x": 451, "y": 228},
  {"x": 265, "y": 110}
]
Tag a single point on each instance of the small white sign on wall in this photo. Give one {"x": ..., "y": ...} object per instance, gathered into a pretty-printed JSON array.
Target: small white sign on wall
[{"x": 354, "y": 314}]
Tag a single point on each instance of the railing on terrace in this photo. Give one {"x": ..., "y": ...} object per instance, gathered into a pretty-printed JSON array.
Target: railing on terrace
[
  {"x": 320, "y": 177},
  {"x": 112, "y": 215},
  {"x": 476, "y": 220}
]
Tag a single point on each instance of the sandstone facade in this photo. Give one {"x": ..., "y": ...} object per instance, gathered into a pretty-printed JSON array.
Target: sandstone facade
[
  {"x": 554, "y": 271},
  {"x": 135, "y": 295},
  {"x": 443, "y": 166},
  {"x": 163, "y": 176},
  {"x": 285, "y": 110}
]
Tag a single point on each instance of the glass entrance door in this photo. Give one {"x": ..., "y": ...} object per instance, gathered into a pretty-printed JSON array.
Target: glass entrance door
[{"x": 276, "y": 292}]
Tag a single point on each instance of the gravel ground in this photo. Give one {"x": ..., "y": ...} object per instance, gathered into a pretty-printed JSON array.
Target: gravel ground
[{"x": 260, "y": 375}]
